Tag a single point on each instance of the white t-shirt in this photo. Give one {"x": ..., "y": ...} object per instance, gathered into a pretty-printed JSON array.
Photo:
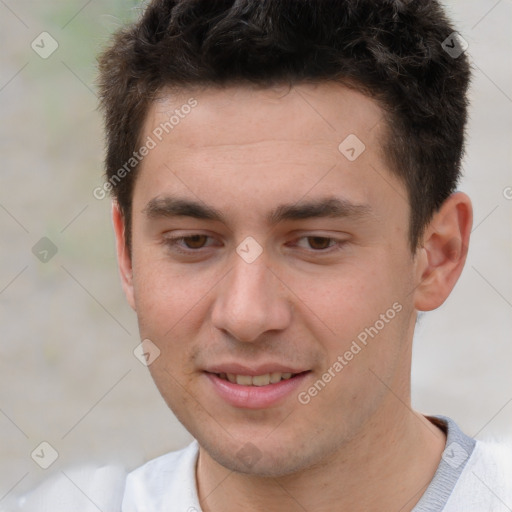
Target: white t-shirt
[{"x": 473, "y": 476}]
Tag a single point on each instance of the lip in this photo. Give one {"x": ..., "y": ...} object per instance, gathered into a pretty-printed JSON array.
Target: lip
[
  {"x": 255, "y": 397},
  {"x": 252, "y": 371}
]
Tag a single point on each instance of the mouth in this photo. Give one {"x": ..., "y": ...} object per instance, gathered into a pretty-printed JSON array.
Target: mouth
[
  {"x": 257, "y": 380},
  {"x": 257, "y": 391}
]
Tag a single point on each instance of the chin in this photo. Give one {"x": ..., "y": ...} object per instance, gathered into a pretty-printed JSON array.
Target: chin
[
  {"x": 265, "y": 457},
  {"x": 250, "y": 460}
]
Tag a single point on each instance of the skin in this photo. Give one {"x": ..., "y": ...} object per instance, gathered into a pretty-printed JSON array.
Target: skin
[{"x": 357, "y": 443}]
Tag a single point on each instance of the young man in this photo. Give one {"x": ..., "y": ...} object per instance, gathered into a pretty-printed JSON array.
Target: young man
[{"x": 284, "y": 178}]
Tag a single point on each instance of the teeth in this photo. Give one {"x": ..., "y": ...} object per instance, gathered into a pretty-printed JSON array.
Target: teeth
[
  {"x": 257, "y": 380},
  {"x": 275, "y": 377},
  {"x": 244, "y": 380},
  {"x": 261, "y": 380}
]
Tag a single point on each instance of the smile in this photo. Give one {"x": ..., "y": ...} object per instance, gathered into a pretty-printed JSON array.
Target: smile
[
  {"x": 256, "y": 391},
  {"x": 256, "y": 380}
]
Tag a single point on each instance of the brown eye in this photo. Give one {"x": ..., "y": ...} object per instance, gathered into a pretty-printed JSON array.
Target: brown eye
[
  {"x": 195, "y": 241},
  {"x": 319, "y": 242}
]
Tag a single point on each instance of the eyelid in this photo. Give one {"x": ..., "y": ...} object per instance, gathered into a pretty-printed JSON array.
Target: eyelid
[
  {"x": 173, "y": 242},
  {"x": 338, "y": 242}
]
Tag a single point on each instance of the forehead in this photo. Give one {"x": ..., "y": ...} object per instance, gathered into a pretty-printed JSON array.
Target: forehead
[
  {"x": 267, "y": 145},
  {"x": 241, "y": 115}
]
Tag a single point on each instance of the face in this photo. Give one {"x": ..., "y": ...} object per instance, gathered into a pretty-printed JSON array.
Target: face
[{"x": 268, "y": 241}]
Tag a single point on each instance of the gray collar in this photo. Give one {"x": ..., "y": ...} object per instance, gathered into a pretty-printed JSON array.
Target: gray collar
[{"x": 457, "y": 452}]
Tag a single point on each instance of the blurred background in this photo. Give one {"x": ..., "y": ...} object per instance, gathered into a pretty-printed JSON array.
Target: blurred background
[{"x": 68, "y": 375}]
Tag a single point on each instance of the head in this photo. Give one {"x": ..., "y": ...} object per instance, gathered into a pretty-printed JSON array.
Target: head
[{"x": 287, "y": 206}]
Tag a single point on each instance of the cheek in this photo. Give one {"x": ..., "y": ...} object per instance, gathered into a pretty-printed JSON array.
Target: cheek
[
  {"x": 360, "y": 314},
  {"x": 345, "y": 299},
  {"x": 165, "y": 295},
  {"x": 176, "y": 385},
  {"x": 170, "y": 310},
  {"x": 173, "y": 305}
]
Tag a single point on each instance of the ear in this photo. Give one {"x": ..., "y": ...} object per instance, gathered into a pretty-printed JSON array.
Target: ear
[
  {"x": 443, "y": 252},
  {"x": 123, "y": 256}
]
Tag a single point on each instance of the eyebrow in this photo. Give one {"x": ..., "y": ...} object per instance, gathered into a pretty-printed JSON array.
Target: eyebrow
[{"x": 333, "y": 207}]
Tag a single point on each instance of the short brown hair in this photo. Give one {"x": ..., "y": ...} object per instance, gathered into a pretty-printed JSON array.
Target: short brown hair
[{"x": 392, "y": 50}]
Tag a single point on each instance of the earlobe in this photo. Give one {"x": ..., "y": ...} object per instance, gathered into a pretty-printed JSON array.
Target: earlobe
[
  {"x": 123, "y": 257},
  {"x": 443, "y": 253}
]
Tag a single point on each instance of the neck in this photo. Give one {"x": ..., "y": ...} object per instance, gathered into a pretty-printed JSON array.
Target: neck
[{"x": 387, "y": 466}]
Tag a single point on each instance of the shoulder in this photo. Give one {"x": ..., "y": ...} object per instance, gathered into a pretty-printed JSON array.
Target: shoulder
[
  {"x": 493, "y": 458},
  {"x": 164, "y": 481},
  {"x": 164, "y": 468},
  {"x": 495, "y": 447},
  {"x": 486, "y": 479},
  {"x": 85, "y": 488}
]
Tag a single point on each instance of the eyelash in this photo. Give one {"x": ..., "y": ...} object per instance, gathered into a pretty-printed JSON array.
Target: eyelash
[{"x": 173, "y": 243}]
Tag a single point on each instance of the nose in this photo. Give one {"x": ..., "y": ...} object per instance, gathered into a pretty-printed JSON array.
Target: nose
[{"x": 251, "y": 300}]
